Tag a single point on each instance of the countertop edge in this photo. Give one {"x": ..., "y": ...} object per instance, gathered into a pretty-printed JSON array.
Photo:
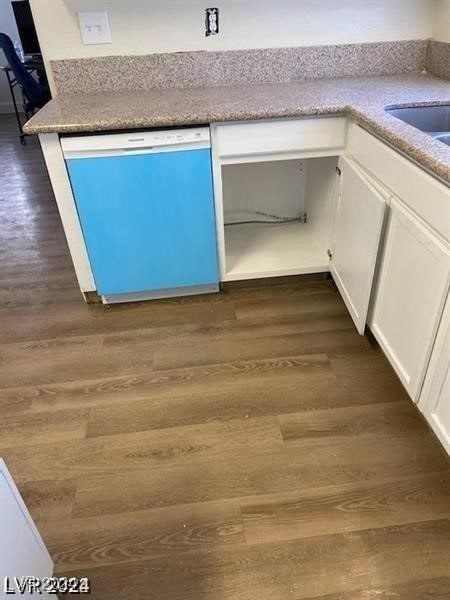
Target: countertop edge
[{"x": 435, "y": 167}]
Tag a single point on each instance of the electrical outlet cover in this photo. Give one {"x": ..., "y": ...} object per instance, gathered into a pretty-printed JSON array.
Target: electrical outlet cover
[
  {"x": 211, "y": 21},
  {"x": 94, "y": 27}
]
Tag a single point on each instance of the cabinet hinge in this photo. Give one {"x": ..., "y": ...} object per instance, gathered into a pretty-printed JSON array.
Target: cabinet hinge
[
  {"x": 338, "y": 171},
  {"x": 330, "y": 254}
]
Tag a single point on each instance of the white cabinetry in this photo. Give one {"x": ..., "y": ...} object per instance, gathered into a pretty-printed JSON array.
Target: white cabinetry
[
  {"x": 288, "y": 168},
  {"x": 413, "y": 274},
  {"x": 294, "y": 169},
  {"x": 410, "y": 291},
  {"x": 359, "y": 220},
  {"x": 321, "y": 135},
  {"x": 424, "y": 195},
  {"x": 434, "y": 400},
  {"x": 22, "y": 551}
]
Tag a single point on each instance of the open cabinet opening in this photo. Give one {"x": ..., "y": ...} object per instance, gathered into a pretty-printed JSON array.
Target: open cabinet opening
[{"x": 278, "y": 216}]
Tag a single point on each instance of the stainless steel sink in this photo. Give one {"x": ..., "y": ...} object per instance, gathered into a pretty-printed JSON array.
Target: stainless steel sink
[
  {"x": 442, "y": 137},
  {"x": 434, "y": 120}
]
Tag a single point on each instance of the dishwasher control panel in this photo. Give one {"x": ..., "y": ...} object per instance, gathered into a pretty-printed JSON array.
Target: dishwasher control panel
[
  {"x": 176, "y": 136},
  {"x": 79, "y": 146}
]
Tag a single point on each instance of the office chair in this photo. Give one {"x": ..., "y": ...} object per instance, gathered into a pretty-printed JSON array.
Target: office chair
[{"x": 35, "y": 93}]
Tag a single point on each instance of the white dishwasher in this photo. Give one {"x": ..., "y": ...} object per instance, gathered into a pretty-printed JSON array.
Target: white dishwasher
[{"x": 146, "y": 208}]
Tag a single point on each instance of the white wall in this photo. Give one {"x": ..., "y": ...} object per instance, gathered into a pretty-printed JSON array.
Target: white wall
[
  {"x": 8, "y": 26},
  {"x": 147, "y": 26},
  {"x": 441, "y": 25}
]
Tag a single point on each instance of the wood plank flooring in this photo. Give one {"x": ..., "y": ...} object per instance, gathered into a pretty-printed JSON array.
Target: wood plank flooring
[{"x": 248, "y": 445}]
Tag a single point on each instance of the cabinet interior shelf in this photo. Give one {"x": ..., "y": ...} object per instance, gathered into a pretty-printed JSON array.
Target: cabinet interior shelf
[{"x": 270, "y": 250}]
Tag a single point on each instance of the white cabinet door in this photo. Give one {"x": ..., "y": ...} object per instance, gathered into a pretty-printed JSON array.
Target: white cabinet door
[
  {"x": 22, "y": 551},
  {"x": 410, "y": 292},
  {"x": 434, "y": 399},
  {"x": 359, "y": 221}
]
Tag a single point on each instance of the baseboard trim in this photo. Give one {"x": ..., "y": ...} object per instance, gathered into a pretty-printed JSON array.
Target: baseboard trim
[{"x": 281, "y": 280}]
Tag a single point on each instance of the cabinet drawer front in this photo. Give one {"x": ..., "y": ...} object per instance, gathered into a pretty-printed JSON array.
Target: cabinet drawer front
[{"x": 287, "y": 135}]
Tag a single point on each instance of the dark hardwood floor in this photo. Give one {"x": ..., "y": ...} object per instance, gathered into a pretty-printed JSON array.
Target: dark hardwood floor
[{"x": 248, "y": 445}]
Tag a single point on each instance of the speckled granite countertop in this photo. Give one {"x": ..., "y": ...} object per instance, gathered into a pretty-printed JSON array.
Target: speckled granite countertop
[{"x": 362, "y": 98}]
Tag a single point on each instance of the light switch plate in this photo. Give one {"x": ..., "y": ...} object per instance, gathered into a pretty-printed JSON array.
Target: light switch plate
[{"x": 94, "y": 27}]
